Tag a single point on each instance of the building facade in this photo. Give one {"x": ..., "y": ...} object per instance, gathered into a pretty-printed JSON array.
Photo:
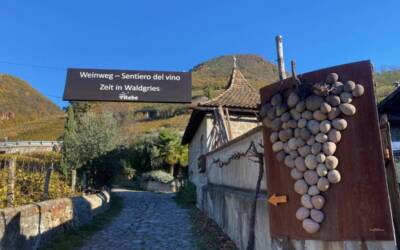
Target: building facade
[
  {"x": 215, "y": 122},
  {"x": 390, "y": 106}
]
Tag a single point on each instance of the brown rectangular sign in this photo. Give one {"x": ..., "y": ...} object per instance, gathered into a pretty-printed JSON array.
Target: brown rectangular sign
[
  {"x": 356, "y": 208},
  {"x": 128, "y": 86}
]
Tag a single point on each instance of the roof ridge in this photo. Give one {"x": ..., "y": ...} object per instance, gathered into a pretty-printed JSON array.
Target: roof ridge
[
  {"x": 244, "y": 79},
  {"x": 229, "y": 85},
  {"x": 237, "y": 81},
  {"x": 383, "y": 102}
]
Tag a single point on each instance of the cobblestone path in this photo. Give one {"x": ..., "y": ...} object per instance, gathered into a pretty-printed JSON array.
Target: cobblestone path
[{"x": 147, "y": 221}]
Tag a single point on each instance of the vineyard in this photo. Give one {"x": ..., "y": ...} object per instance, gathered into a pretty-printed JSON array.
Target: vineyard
[{"x": 32, "y": 178}]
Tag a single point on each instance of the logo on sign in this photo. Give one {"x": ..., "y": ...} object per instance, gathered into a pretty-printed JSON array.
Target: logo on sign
[{"x": 126, "y": 97}]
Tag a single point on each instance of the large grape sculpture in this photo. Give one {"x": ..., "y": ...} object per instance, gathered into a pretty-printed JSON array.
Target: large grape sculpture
[{"x": 306, "y": 124}]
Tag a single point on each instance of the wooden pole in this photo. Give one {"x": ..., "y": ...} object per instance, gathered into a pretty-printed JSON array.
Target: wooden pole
[
  {"x": 11, "y": 182},
  {"x": 223, "y": 123},
  {"x": 281, "y": 62},
  {"x": 47, "y": 181},
  {"x": 73, "y": 180},
  {"x": 222, "y": 136},
  {"x": 228, "y": 122}
]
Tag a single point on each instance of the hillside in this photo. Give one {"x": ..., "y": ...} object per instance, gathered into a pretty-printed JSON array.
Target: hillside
[
  {"x": 385, "y": 82},
  {"x": 31, "y": 116},
  {"x": 23, "y": 103},
  {"x": 37, "y": 118},
  {"x": 46, "y": 129},
  {"x": 26, "y": 114},
  {"x": 214, "y": 72}
]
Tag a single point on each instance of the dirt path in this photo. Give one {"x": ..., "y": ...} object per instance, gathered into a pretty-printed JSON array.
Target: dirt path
[{"x": 147, "y": 221}]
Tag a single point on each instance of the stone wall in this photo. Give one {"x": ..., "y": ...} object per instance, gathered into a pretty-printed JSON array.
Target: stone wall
[
  {"x": 228, "y": 197},
  {"x": 31, "y": 226},
  {"x": 24, "y": 147},
  {"x": 156, "y": 186}
]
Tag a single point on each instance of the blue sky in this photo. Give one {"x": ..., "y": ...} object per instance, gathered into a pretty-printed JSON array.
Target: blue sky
[{"x": 176, "y": 35}]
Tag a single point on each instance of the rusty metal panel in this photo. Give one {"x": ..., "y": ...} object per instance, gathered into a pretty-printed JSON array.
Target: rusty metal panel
[{"x": 357, "y": 208}]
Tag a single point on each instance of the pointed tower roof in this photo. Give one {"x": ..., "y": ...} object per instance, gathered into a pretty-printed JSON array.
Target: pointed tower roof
[
  {"x": 239, "y": 94},
  {"x": 240, "y": 97}
]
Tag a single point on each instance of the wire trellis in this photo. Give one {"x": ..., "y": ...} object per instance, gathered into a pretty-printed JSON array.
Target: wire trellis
[{"x": 25, "y": 179}]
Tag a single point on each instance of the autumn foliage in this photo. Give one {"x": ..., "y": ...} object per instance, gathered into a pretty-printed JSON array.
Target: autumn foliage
[{"x": 31, "y": 170}]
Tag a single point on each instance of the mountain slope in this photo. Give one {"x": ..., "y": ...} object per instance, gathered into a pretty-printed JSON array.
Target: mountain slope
[
  {"x": 46, "y": 129},
  {"x": 216, "y": 72},
  {"x": 386, "y": 82},
  {"x": 25, "y": 114},
  {"x": 23, "y": 101},
  {"x": 37, "y": 118}
]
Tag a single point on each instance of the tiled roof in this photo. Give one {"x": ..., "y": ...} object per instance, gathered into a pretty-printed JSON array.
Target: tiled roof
[
  {"x": 391, "y": 102},
  {"x": 391, "y": 107},
  {"x": 240, "y": 94},
  {"x": 241, "y": 97}
]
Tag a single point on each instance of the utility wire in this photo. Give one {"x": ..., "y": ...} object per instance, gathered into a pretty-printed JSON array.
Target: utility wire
[
  {"x": 34, "y": 66},
  {"x": 53, "y": 96},
  {"x": 37, "y": 66}
]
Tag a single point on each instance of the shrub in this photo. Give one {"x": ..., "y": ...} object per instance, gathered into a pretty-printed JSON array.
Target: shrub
[
  {"x": 129, "y": 172},
  {"x": 187, "y": 195},
  {"x": 157, "y": 175}
]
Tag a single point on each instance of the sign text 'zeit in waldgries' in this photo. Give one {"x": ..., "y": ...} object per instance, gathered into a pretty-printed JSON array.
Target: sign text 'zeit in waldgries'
[{"x": 128, "y": 86}]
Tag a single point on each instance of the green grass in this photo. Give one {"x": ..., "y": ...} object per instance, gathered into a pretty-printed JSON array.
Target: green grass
[{"x": 74, "y": 238}]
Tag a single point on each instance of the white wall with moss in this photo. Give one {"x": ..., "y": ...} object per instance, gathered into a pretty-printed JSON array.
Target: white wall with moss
[{"x": 201, "y": 144}]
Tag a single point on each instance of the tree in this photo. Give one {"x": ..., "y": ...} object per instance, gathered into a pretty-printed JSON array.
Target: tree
[
  {"x": 158, "y": 151},
  {"x": 171, "y": 151},
  {"x": 144, "y": 154},
  {"x": 80, "y": 108},
  {"x": 183, "y": 159},
  {"x": 70, "y": 151},
  {"x": 97, "y": 136},
  {"x": 209, "y": 91},
  {"x": 89, "y": 140}
]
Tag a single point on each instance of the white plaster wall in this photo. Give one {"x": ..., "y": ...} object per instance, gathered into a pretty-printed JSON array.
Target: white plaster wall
[
  {"x": 241, "y": 125},
  {"x": 240, "y": 173},
  {"x": 231, "y": 210},
  {"x": 197, "y": 147},
  {"x": 201, "y": 144}
]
